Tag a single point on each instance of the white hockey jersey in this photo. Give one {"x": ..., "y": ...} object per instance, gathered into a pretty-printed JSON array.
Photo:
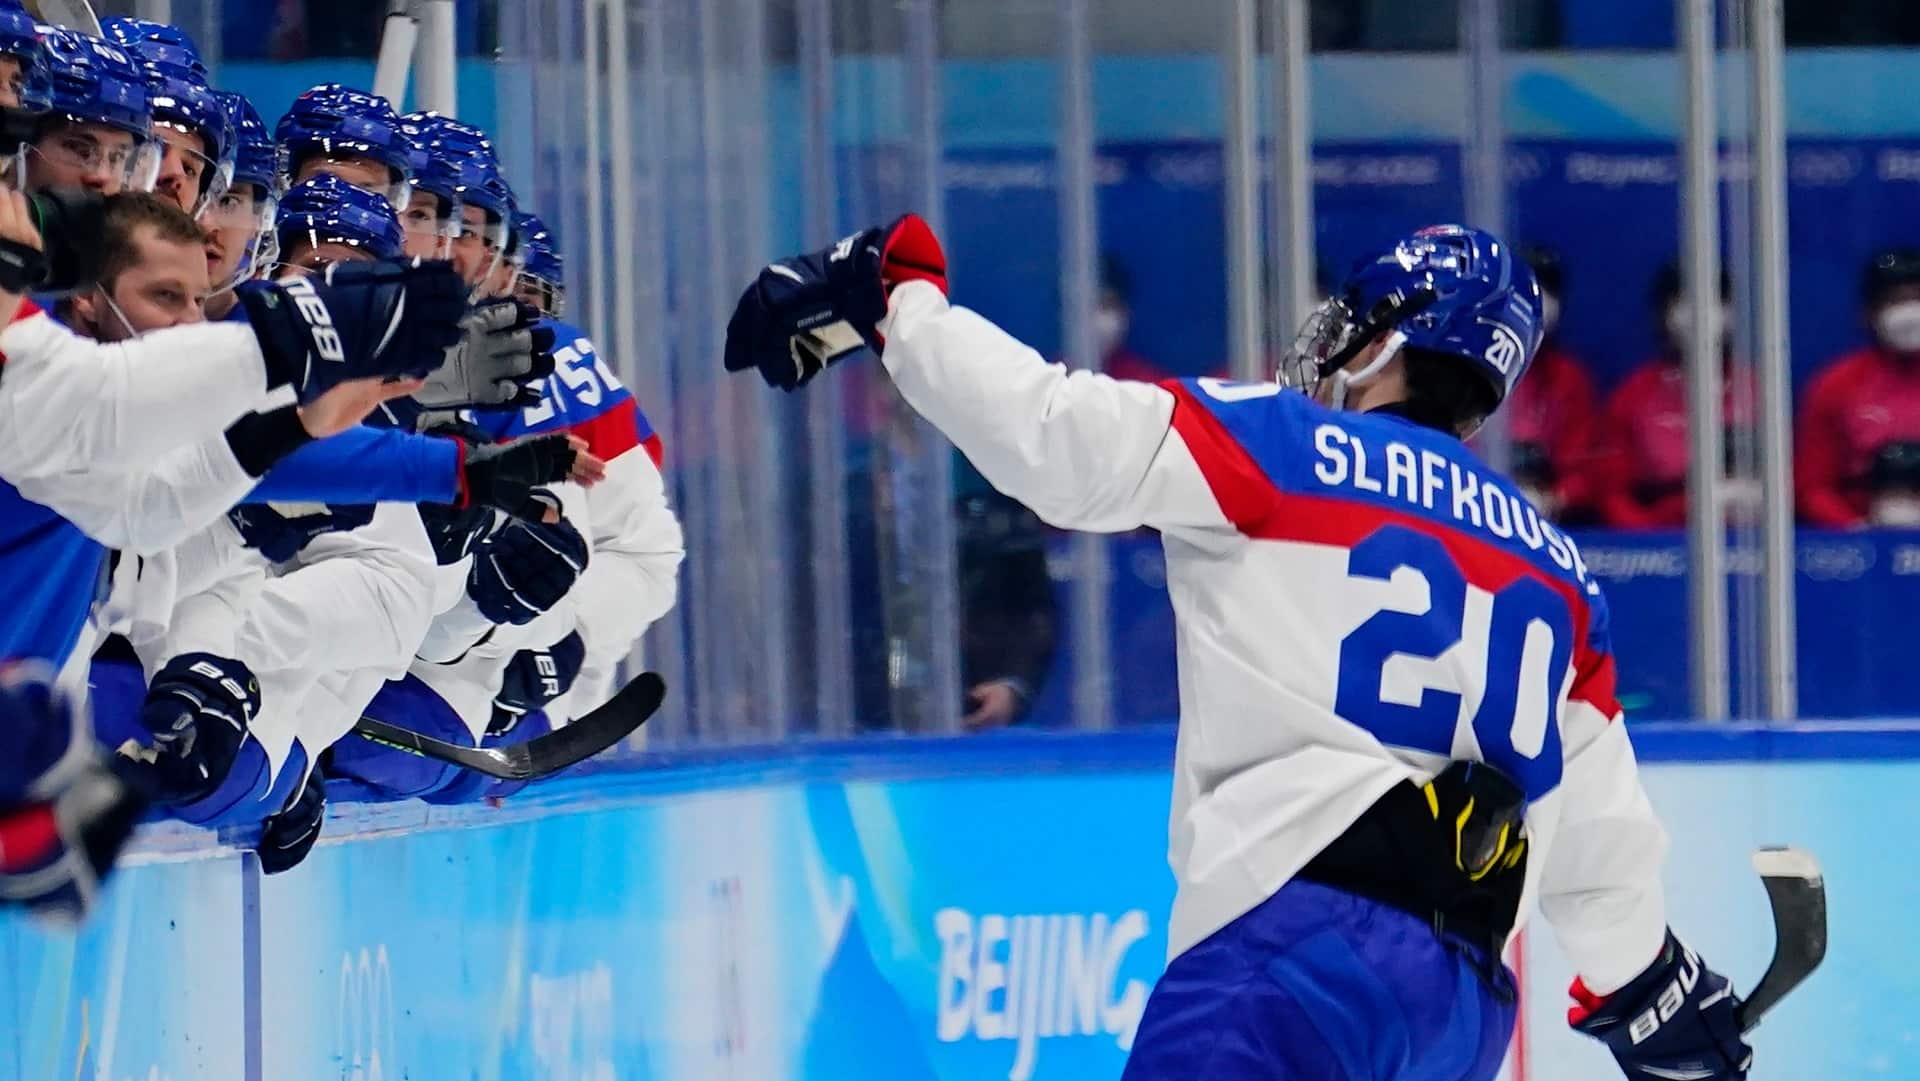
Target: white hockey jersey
[{"x": 1358, "y": 599}]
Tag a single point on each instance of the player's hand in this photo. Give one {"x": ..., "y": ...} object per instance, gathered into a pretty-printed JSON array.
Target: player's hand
[
  {"x": 287, "y": 837},
  {"x": 996, "y": 703},
  {"x": 502, "y": 354},
  {"x": 355, "y": 320},
  {"x": 199, "y": 708},
  {"x": 1679, "y": 1018},
  {"x": 346, "y": 405},
  {"x": 507, "y": 475},
  {"x": 525, "y": 569},
  {"x": 804, "y": 313}
]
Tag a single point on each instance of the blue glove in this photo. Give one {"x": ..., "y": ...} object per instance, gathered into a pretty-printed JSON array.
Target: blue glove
[
  {"x": 281, "y": 531},
  {"x": 1678, "y": 1019},
  {"x": 355, "y": 320},
  {"x": 523, "y": 570},
  {"x": 199, "y": 708},
  {"x": 804, "y": 313},
  {"x": 64, "y": 814},
  {"x": 287, "y": 837},
  {"x": 535, "y": 677}
]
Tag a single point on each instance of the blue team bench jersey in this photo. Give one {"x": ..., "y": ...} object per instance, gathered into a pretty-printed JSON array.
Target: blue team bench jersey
[{"x": 582, "y": 396}]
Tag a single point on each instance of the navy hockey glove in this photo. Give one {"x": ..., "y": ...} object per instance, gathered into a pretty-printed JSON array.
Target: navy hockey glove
[
  {"x": 501, "y": 356},
  {"x": 525, "y": 569},
  {"x": 199, "y": 708},
  {"x": 535, "y": 677},
  {"x": 281, "y": 531},
  {"x": 356, "y": 320},
  {"x": 1678, "y": 1019},
  {"x": 804, "y": 313},
  {"x": 287, "y": 837}
]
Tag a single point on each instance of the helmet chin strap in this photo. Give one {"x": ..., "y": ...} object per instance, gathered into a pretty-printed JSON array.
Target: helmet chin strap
[{"x": 1343, "y": 380}]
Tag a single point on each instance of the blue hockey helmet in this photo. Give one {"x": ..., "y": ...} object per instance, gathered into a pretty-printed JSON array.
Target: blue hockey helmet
[
  {"x": 332, "y": 121},
  {"x": 541, "y": 277},
  {"x": 254, "y": 159},
  {"x": 324, "y": 209},
  {"x": 1445, "y": 290},
  {"x": 444, "y": 170},
  {"x": 20, "y": 39},
  {"x": 158, "y": 45},
  {"x": 92, "y": 82},
  {"x": 192, "y": 109},
  {"x": 250, "y": 202}
]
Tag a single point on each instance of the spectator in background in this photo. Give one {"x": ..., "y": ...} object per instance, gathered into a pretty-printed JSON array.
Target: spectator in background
[
  {"x": 1550, "y": 418},
  {"x": 1112, "y": 318},
  {"x": 1860, "y": 417},
  {"x": 1641, "y": 474},
  {"x": 1008, "y": 612}
]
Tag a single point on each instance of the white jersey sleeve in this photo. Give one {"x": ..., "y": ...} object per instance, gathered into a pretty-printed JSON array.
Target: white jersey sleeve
[
  {"x": 633, "y": 576},
  {"x": 1081, "y": 450},
  {"x": 359, "y": 599},
  {"x": 66, "y": 402},
  {"x": 151, "y": 509},
  {"x": 1601, "y": 888}
]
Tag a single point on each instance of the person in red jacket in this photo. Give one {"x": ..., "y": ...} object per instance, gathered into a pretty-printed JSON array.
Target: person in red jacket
[
  {"x": 1865, "y": 406},
  {"x": 1641, "y": 476},
  {"x": 1112, "y": 318},
  {"x": 1550, "y": 416}
]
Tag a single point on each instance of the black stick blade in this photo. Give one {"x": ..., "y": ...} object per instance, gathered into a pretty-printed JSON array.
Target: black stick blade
[{"x": 1797, "y": 892}]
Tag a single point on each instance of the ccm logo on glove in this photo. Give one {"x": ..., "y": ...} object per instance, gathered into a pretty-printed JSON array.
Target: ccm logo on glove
[{"x": 319, "y": 320}]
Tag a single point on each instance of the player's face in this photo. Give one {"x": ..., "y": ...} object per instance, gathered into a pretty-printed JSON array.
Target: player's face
[
  {"x": 473, "y": 250},
  {"x": 500, "y": 282},
  {"x": 13, "y": 80},
  {"x": 530, "y": 290},
  {"x": 185, "y": 168},
  {"x": 82, "y": 156},
  {"x": 314, "y": 258},
  {"x": 165, "y": 287},
  {"x": 232, "y": 224},
  {"x": 426, "y": 237},
  {"x": 362, "y": 172}
]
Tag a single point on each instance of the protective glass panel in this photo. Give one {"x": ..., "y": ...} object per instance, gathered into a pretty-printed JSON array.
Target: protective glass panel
[{"x": 1853, "y": 199}]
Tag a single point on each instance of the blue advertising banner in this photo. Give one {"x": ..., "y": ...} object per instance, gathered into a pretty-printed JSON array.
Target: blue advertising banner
[{"x": 1002, "y": 920}]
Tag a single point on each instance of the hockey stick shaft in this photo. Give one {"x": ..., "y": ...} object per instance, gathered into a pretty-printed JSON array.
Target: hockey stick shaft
[{"x": 543, "y": 755}]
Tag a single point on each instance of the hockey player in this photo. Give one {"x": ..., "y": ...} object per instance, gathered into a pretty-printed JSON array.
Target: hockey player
[
  {"x": 191, "y": 123},
  {"x": 1398, "y": 724},
  {"x": 99, "y": 133},
  {"x": 433, "y": 218},
  {"x": 350, "y": 134},
  {"x": 541, "y": 277},
  {"x": 485, "y": 201},
  {"x": 257, "y": 632},
  {"x": 239, "y": 224},
  {"x": 496, "y": 667}
]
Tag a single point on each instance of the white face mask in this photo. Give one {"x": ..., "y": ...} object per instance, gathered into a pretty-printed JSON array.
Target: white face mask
[
  {"x": 1109, "y": 329},
  {"x": 1899, "y": 511},
  {"x": 1549, "y": 314},
  {"x": 1680, "y": 318},
  {"x": 1898, "y": 326}
]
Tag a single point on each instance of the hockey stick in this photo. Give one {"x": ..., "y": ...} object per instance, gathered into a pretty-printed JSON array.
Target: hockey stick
[
  {"x": 1798, "y": 894},
  {"x": 72, "y": 14},
  {"x": 541, "y": 756}
]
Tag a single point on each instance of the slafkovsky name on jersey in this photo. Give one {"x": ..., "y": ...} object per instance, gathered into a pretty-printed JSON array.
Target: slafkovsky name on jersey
[{"x": 1422, "y": 478}]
